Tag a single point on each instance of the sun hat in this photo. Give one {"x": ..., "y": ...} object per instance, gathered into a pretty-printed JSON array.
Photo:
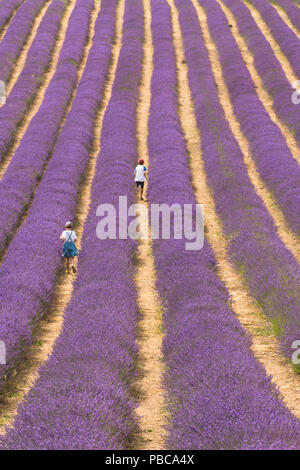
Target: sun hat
[{"x": 68, "y": 224}]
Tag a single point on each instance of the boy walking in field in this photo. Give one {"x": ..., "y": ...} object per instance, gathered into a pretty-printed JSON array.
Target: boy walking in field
[{"x": 140, "y": 173}]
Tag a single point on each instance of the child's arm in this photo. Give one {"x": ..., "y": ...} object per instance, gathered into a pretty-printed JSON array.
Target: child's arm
[
  {"x": 146, "y": 174},
  {"x": 62, "y": 236}
]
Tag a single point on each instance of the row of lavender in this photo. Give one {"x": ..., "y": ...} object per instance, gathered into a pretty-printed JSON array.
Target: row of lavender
[
  {"x": 272, "y": 156},
  {"x": 29, "y": 80},
  {"x": 16, "y": 35},
  {"x": 291, "y": 10},
  {"x": 86, "y": 382},
  {"x": 29, "y": 269},
  {"x": 285, "y": 37},
  {"x": 8, "y": 7},
  {"x": 218, "y": 395},
  {"x": 274, "y": 278},
  {"x": 30, "y": 159}
]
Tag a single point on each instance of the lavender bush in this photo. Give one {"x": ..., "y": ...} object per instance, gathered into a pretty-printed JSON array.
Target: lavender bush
[
  {"x": 26, "y": 168},
  {"x": 29, "y": 80},
  {"x": 86, "y": 381},
  {"x": 32, "y": 251},
  {"x": 218, "y": 395}
]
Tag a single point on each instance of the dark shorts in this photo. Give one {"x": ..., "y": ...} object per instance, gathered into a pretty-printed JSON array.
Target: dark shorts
[{"x": 139, "y": 183}]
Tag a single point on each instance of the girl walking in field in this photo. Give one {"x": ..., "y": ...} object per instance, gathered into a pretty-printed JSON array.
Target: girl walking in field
[
  {"x": 69, "y": 247},
  {"x": 140, "y": 173}
]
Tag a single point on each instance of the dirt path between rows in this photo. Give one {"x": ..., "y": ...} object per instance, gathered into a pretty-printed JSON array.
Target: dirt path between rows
[
  {"x": 50, "y": 327},
  {"x": 39, "y": 96},
  {"x": 151, "y": 394},
  {"x": 264, "y": 344}
]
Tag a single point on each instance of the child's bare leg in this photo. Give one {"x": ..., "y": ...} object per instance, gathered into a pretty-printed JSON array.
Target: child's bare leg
[
  {"x": 68, "y": 265},
  {"x": 142, "y": 191},
  {"x": 73, "y": 267}
]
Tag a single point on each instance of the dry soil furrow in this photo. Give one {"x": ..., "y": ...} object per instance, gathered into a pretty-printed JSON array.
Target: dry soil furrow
[
  {"x": 50, "y": 328},
  {"x": 264, "y": 344},
  {"x": 151, "y": 395}
]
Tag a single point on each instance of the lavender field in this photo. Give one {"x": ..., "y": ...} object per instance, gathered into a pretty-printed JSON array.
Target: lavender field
[{"x": 151, "y": 342}]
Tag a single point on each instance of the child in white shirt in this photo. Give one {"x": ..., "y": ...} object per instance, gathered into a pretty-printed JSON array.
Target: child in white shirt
[{"x": 140, "y": 173}]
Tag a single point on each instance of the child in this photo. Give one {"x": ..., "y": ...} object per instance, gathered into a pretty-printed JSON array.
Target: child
[
  {"x": 140, "y": 173},
  {"x": 69, "y": 248}
]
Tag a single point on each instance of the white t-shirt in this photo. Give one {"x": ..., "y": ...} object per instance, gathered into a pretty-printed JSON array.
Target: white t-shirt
[
  {"x": 139, "y": 173},
  {"x": 69, "y": 235}
]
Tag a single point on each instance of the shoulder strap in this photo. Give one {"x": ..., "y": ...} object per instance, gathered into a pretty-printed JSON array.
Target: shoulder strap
[{"x": 69, "y": 237}]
